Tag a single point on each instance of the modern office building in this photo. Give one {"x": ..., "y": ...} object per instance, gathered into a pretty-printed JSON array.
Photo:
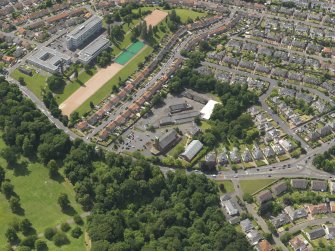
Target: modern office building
[
  {"x": 92, "y": 50},
  {"x": 49, "y": 59},
  {"x": 82, "y": 33}
]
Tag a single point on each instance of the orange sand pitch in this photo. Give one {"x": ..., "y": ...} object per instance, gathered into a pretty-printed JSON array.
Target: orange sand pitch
[
  {"x": 90, "y": 87},
  {"x": 155, "y": 17}
]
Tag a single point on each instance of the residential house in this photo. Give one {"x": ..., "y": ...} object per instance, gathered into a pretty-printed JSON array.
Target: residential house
[
  {"x": 330, "y": 231},
  {"x": 319, "y": 185},
  {"x": 230, "y": 207},
  {"x": 287, "y": 145},
  {"x": 332, "y": 186},
  {"x": 318, "y": 209},
  {"x": 281, "y": 220},
  {"x": 234, "y": 156},
  {"x": 296, "y": 214},
  {"x": 222, "y": 158},
  {"x": 315, "y": 233},
  {"x": 299, "y": 243},
  {"x": 279, "y": 188},
  {"x": 246, "y": 156},
  {"x": 268, "y": 152},
  {"x": 257, "y": 153},
  {"x": 313, "y": 136},
  {"x": 299, "y": 183},
  {"x": 246, "y": 225},
  {"x": 279, "y": 150},
  {"x": 264, "y": 196},
  {"x": 210, "y": 159},
  {"x": 264, "y": 245},
  {"x": 82, "y": 126},
  {"x": 324, "y": 131},
  {"x": 254, "y": 237}
]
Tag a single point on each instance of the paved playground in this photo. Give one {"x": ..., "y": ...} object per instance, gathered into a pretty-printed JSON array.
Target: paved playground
[{"x": 155, "y": 17}]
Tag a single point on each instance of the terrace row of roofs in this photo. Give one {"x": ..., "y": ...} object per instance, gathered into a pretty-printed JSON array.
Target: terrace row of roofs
[{"x": 281, "y": 187}]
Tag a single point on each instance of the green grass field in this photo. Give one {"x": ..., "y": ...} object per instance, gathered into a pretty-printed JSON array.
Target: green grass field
[
  {"x": 104, "y": 91},
  {"x": 38, "y": 196},
  {"x": 71, "y": 87},
  {"x": 228, "y": 185},
  {"x": 252, "y": 186},
  {"x": 183, "y": 13},
  {"x": 35, "y": 83}
]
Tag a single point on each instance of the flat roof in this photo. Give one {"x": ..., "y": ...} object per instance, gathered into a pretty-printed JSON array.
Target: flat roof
[
  {"x": 48, "y": 57},
  {"x": 88, "y": 52},
  {"x": 207, "y": 110},
  {"x": 83, "y": 28}
]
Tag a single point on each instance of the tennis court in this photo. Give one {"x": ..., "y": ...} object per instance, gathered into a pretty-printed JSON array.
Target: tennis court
[{"x": 129, "y": 53}]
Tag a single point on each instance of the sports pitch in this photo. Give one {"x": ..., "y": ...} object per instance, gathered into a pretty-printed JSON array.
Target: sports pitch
[{"x": 130, "y": 52}]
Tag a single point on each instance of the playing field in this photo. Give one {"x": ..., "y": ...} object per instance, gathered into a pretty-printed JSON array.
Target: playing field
[
  {"x": 130, "y": 52},
  {"x": 155, "y": 17},
  {"x": 90, "y": 87}
]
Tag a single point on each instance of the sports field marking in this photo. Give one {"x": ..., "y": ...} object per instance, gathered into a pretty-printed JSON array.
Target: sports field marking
[
  {"x": 90, "y": 87},
  {"x": 155, "y": 17},
  {"x": 130, "y": 52}
]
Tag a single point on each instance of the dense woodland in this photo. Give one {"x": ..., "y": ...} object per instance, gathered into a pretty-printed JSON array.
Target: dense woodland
[
  {"x": 229, "y": 120},
  {"x": 134, "y": 206}
]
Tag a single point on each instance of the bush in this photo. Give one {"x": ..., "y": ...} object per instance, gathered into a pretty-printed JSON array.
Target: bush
[
  {"x": 49, "y": 233},
  {"x": 60, "y": 239},
  {"x": 40, "y": 245},
  {"x": 23, "y": 248},
  {"x": 29, "y": 241},
  {"x": 76, "y": 232},
  {"x": 65, "y": 227},
  {"x": 78, "y": 220}
]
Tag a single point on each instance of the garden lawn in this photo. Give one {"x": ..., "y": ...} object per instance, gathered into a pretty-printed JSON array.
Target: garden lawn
[
  {"x": 228, "y": 185},
  {"x": 187, "y": 13},
  {"x": 71, "y": 87},
  {"x": 35, "y": 83},
  {"x": 252, "y": 186},
  {"x": 104, "y": 91}
]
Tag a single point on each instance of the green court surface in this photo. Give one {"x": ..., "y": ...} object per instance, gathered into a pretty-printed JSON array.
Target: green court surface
[{"x": 129, "y": 53}]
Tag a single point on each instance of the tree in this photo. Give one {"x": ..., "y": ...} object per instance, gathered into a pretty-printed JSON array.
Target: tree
[
  {"x": 14, "y": 204},
  {"x": 77, "y": 219},
  {"x": 7, "y": 189},
  {"x": 40, "y": 245},
  {"x": 21, "y": 81},
  {"x": 65, "y": 227},
  {"x": 25, "y": 226},
  {"x": 53, "y": 169},
  {"x": 75, "y": 73},
  {"x": 2, "y": 175},
  {"x": 63, "y": 201},
  {"x": 76, "y": 232},
  {"x": 247, "y": 197},
  {"x": 11, "y": 235},
  {"x": 9, "y": 154},
  {"x": 49, "y": 233},
  {"x": 55, "y": 83},
  {"x": 60, "y": 239}
]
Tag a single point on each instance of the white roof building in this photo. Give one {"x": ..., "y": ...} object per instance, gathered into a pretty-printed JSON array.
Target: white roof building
[{"x": 207, "y": 110}]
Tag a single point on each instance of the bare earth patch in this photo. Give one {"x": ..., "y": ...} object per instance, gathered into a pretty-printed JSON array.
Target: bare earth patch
[
  {"x": 90, "y": 87},
  {"x": 155, "y": 17}
]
